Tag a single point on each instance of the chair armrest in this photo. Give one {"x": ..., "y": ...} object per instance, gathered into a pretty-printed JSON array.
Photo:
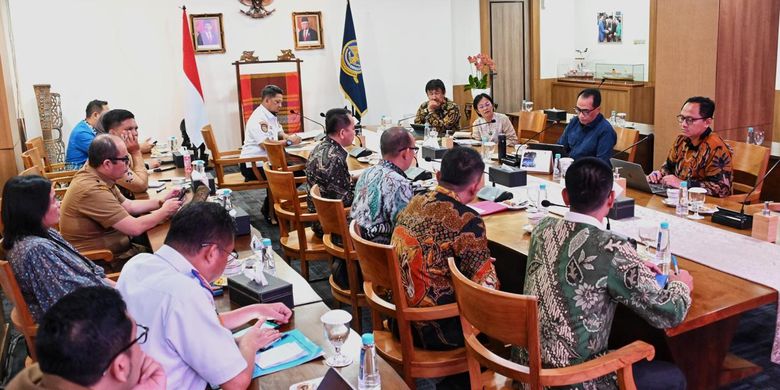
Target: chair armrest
[
  {"x": 611, "y": 362},
  {"x": 57, "y": 166},
  {"x": 238, "y": 160},
  {"x": 99, "y": 254},
  {"x": 59, "y": 175},
  {"x": 228, "y": 153},
  {"x": 433, "y": 312},
  {"x": 378, "y": 303}
]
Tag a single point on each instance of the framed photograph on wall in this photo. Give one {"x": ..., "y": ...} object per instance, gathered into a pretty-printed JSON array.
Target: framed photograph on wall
[
  {"x": 307, "y": 30},
  {"x": 610, "y": 27},
  {"x": 207, "y": 34}
]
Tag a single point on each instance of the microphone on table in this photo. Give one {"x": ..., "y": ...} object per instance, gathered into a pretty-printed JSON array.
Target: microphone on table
[
  {"x": 632, "y": 145},
  {"x": 307, "y": 118},
  {"x": 403, "y": 119},
  {"x": 603, "y": 79},
  {"x": 515, "y": 160},
  {"x": 475, "y": 125},
  {"x": 740, "y": 220},
  {"x": 493, "y": 193}
]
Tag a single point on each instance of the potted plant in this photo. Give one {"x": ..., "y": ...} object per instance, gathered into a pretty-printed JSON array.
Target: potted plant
[{"x": 482, "y": 66}]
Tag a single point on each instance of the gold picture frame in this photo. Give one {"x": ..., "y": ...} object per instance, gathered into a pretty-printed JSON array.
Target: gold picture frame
[
  {"x": 205, "y": 39},
  {"x": 308, "y": 36}
]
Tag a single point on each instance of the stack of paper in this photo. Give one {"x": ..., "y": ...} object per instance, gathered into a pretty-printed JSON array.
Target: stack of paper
[{"x": 279, "y": 355}]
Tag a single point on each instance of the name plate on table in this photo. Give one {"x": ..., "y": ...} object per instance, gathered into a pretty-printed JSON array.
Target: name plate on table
[{"x": 244, "y": 291}]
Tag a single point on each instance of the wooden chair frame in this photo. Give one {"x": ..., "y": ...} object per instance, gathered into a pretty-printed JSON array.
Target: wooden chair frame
[
  {"x": 626, "y": 138},
  {"x": 48, "y": 166},
  {"x": 32, "y": 158},
  {"x": 531, "y": 123},
  {"x": 513, "y": 319},
  {"x": 292, "y": 219},
  {"x": 226, "y": 158},
  {"x": 333, "y": 218},
  {"x": 752, "y": 160},
  {"x": 381, "y": 270}
]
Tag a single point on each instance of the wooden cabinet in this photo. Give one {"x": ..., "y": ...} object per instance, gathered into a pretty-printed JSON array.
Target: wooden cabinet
[{"x": 633, "y": 98}]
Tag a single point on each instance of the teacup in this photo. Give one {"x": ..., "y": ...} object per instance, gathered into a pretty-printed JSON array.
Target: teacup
[
  {"x": 565, "y": 162},
  {"x": 673, "y": 194}
]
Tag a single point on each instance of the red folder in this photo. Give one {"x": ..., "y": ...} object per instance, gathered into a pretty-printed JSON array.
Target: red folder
[{"x": 487, "y": 207}]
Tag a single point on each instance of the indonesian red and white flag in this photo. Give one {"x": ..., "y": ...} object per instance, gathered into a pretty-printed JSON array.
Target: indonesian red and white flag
[{"x": 194, "y": 106}]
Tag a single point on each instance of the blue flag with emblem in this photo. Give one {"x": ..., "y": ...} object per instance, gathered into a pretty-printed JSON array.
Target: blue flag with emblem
[{"x": 351, "y": 75}]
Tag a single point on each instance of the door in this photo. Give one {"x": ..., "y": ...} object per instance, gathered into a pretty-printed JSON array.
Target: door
[{"x": 509, "y": 34}]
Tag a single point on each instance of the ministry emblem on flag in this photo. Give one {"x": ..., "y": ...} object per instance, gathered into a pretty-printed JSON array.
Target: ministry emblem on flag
[{"x": 350, "y": 60}]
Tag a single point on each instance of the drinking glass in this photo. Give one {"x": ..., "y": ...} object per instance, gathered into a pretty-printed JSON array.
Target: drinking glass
[
  {"x": 696, "y": 195},
  {"x": 648, "y": 234},
  {"x": 528, "y": 105},
  {"x": 336, "y": 325},
  {"x": 758, "y": 136},
  {"x": 487, "y": 149},
  {"x": 533, "y": 196}
]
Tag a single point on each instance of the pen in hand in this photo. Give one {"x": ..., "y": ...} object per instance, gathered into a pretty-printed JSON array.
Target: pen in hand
[
  {"x": 676, "y": 267},
  {"x": 269, "y": 346}
]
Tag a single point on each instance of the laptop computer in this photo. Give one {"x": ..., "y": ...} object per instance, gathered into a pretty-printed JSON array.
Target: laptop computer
[
  {"x": 309, "y": 134},
  {"x": 554, "y": 148},
  {"x": 636, "y": 178}
]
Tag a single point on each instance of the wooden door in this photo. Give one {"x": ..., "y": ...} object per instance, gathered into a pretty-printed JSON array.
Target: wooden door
[{"x": 509, "y": 48}]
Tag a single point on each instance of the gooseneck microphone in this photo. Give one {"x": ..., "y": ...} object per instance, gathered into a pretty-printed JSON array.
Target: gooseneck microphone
[
  {"x": 477, "y": 125},
  {"x": 740, "y": 220},
  {"x": 307, "y": 118},
  {"x": 632, "y": 145},
  {"x": 514, "y": 160},
  {"x": 603, "y": 79},
  {"x": 547, "y": 203},
  {"x": 403, "y": 119}
]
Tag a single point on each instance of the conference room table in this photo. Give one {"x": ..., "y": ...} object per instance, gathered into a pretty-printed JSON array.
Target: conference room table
[
  {"x": 699, "y": 345},
  {"x": 307, "y": 310}
]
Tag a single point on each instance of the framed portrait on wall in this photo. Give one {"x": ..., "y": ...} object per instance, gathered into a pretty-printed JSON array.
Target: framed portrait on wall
[
  {"x": 307, "y": 30},
  {"x": 610, "y": 26},
  {"x": 207, "y": 34}
]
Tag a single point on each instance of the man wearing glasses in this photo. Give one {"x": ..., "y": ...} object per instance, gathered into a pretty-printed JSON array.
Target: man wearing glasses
[
  {"x": 122, "y": 124},
  {"x": 87, "y": 340},
  {"x": 95, "y": 215},
  {"x": 588, "y": 134},
  {"x": 698, "y": 155},
  {"x": 170, "y": 292}
]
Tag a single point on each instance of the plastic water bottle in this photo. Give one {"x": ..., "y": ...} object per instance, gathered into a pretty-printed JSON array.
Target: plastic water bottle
[
  {"x": 185, "y": 154},
  {"x": 613, "y": 118},
  {"x": 427, "y": 134},
  {"x": 663, "y": 252},
  {"x": 368, "y": 377},
  {"x": 485, "y": 149},
  {"x": 173, "y": 143},
  {"x": 269, "y": 262},
  {"x": 557, "y": 167},
  {"x": 682, "y": 202},
  {"x": 750, "y": 138},
  {"x": 542, "y": 195}
]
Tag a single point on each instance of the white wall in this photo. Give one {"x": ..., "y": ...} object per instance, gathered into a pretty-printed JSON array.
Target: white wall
[
  {"x": 566, "y": 25},
  {"x": 465, "y": 37},
  {"x": 129, "y": 53}
]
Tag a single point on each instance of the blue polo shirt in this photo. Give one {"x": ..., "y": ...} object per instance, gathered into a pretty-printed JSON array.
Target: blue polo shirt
[
  {"x": 78, "y": 144},
  {"x": 597, "y": 139}
]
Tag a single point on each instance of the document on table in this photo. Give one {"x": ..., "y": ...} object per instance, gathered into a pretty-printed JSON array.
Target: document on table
[{"x": 279, "y": 355}]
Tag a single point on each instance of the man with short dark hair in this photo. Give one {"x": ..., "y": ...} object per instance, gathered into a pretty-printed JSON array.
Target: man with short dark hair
[
  {"x": 384, "y": 190},
  {"x": 306, "y": 33},
  {"x": 94, "y": 215},
  {"x": 698, "y": 155},
  {"x": 87, "y": 340},
  {"x": 438, "y": 111},
  {"x": 435, "y": 226},
  {"x": 580, "y": 272},
  {"x": 327, "y": 164},
  {"x": 122, "y": 124},
  {"x": 588, "y": 134},
  {"x": 83, "y": 134},
  {"x": 169, "y": 290}
]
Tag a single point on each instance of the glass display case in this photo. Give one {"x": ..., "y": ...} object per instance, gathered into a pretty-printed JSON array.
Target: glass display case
[
  {"x": 623, "y": 72},
  {"x": 576, "y": 69}
]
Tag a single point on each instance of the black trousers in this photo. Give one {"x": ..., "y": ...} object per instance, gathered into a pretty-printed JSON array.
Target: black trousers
[{"x": 658, "y": 375}]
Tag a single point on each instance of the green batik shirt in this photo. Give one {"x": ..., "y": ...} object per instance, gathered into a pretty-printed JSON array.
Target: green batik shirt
[
  {"x": 579, "y": 274},
  {"x": 446, "y": 117}
]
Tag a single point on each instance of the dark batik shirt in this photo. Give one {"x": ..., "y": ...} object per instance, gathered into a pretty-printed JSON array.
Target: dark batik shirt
[
  {"x": 46, "y": 271},
  {"x": 327, "y": 167},
  {"x": 432, "y": 228},
  {"x": 707, "y": 164},
  {"x": 446, "y": 117}
]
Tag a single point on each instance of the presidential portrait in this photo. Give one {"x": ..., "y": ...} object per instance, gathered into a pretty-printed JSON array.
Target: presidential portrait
[
  {"x": 207, "y": 34},
  {"x": 307, "y": 30}
]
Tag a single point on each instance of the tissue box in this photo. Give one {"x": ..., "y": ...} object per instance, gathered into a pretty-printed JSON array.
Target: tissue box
[
  {"x": 433, "y": 153},
  {"x": 623, "y": 208},
  {"x": 244, "y": 291},
  {"x": 508, "y": 176},
  {"x": 556, "y": 115},
  {"x": 242, "y": 221},
  {"x": 178, "y": 159}
]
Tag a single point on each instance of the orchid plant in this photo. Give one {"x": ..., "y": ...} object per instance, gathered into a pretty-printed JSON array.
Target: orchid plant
[{"x": 483, "y": 66}]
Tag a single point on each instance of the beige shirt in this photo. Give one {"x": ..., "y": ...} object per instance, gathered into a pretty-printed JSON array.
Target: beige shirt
[
  {"x": 31, "y": 378},
  {"x": 502, "y": 126},
  {"x": 137, "y": 179},
  {"x": 89, "y": 210}
]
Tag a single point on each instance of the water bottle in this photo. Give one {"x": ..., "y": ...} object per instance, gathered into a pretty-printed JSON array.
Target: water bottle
[
  {"x": 663, "y": 252},
  {"x": 173, "y": 143},
  {"x": 542, "y": 195},
  {"x": 750, "y": 138},
  {"x": 269, "y": 262},
  {"x": 557, "y": 168},
  {"x": 485, "y": 149},
  {"x": 427, "y": 134},
  {"x": 185, "y": 155},
  {"x": 682, "y": 202},
  {"x": 368, "y": 377},
  {"x": 613, "y": 118}
]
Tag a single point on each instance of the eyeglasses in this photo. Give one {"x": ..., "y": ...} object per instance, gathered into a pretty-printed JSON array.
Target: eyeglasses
[
  {"x": 232, "y": 256},
  {"x": 688, "y": 120},
  {"x": 141, "y": 339},
  {"x": 583, "y": 111},
  {"x": 125, "y": 159},
  {"x": 414, "y": 148},
  {"x": 484, "y": 106}
]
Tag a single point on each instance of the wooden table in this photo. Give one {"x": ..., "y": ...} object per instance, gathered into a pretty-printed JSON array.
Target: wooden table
[{"x": 307, "y": 320}]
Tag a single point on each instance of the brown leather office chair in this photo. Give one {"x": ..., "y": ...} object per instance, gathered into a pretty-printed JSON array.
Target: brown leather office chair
[
  {"x": 513, "y": 319},
  {"x": 626, "y": 138},
  {"x": 333, "y": 218},
  {"x": 530, "y": 123},
  {"x": 225, "y": 158},
  {"x": 381, "y": 271},
  {"x": 298, "y": 241},
  {"x": 748, "y": 160}
]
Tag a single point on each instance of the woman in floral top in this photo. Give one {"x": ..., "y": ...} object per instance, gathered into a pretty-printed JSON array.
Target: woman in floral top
[{"x": 45, "y": 265}]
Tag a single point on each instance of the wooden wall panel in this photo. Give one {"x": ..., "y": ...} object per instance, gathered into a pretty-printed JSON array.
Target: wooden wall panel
[
  {"x": 776, "y": 121},
  {"x": 747, "y": 35},
  {"x": 685, "y": 62},
  {"x": 508, "y": 29}
]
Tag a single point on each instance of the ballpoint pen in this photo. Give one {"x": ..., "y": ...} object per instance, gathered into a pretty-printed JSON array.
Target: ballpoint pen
[
  {"x": 269, "y": 346},
  {"x": 674, "y": 263}
]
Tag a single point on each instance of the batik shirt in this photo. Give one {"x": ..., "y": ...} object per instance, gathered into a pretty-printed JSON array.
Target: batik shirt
[
  {"x": 446, "y": 117},
  {"x": 380, "y": 194},
  {"x": 327, "y": 166},
  {"x": 705, "y": 164},
  {"x": 433, "y": 227},
  {"x": 579, "y": 274},
  {"x": 49, "y": 268}
]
